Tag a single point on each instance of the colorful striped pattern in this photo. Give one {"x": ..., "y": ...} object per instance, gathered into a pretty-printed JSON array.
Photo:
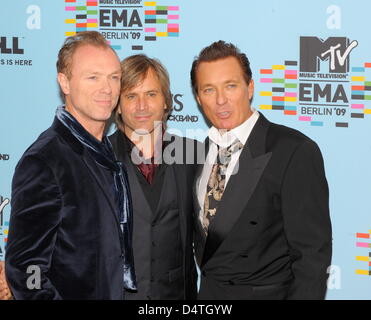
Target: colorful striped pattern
[
  {"x": 161, "y": 21},
  {"x": 86, "y": 15},
  {"x": 361, "y": 90},
  {"x": 284, "y": 91},
  {"x": 362, "y": 244}
]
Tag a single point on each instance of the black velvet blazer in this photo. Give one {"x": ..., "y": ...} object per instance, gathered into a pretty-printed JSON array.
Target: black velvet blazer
[{"x": 64, "y": 235}]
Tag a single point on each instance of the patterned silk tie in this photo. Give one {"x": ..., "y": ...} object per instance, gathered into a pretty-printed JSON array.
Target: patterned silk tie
[{"x": 216, "y": 183}]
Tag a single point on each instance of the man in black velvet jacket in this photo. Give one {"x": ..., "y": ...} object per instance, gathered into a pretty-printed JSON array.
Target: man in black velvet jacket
[
  {"x": 160, "y": 171},
  {"x": 69, "y": 234}
]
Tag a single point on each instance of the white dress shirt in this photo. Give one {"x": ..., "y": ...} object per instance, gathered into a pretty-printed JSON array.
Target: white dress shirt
[{"x": 223, "y": 139}]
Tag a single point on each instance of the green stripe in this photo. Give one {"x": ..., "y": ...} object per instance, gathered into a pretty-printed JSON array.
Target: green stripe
[
  {"x": 80, "y": 8},
  {"x": 92, "y": 12},
  {"x": 161, "y": 20},
  {"x": 367, "y": 98},
  {"x": 278, "y": 80},
  {"x": 291, "y": 85},
  {"x": 161, "y": 7},
  {"x": 367, "y": 83}
]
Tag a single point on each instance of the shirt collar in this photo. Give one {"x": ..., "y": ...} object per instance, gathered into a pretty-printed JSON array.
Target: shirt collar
[{"x": 241, "y": 132}]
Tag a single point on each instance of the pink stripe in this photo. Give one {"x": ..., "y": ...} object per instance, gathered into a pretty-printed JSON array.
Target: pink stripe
[
  {"x": 266, "y": 80},
  {"x": 303, "y": 118},
  {"x": 173, "y": 25},
  {"x": 291, "y": 72},
  {"x": 173, "y": 17},
  {"x": 70, "y": 8},
  {"x": 150, "y": 29},
  {"x": 358, "y": 106},
  {"x": 92, "y": 20},
  {"x": 363, "y": 244},
  {"x": 174, "y": 8},
  {"x": 290, "y": 94}
]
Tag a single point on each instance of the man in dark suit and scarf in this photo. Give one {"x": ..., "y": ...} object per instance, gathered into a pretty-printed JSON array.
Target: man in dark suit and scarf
[{"x": 71, "y": 215}]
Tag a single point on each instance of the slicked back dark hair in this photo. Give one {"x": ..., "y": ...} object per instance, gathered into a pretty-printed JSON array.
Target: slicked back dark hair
[{"x": 216, "y": 51}]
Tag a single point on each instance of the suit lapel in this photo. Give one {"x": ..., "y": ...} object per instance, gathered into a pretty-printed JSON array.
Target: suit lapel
[
  {"x": 100, "y": 179},
  {"x": 89, "y": 162},
  {"x": 252, "y": 163}
]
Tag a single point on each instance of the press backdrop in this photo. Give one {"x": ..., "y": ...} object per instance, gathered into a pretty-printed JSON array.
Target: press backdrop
[{"x": 311, "y": 62}]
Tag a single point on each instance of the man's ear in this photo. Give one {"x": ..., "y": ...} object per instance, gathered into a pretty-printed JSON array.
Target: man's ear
[
  {"x": 64, "y": 83},
  {"x": 251, "y": 89},
  {"x": 198, "y": 99}
]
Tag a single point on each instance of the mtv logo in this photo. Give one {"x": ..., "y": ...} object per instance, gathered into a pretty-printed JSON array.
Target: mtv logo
[{"x": 334, "y": 49}]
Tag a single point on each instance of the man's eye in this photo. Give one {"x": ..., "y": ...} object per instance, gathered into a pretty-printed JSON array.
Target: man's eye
[
  {"x": 116, "y": 77},
  {"x": 231, "y": 86},
  {"x": 208, "y": 90}
]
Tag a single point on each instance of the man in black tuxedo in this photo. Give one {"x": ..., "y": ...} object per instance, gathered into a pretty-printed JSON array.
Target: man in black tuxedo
[
  {"x": 160, "y": 170},
  {"x": 263, "y": 229},
  {"x": 71, "y": 216}
]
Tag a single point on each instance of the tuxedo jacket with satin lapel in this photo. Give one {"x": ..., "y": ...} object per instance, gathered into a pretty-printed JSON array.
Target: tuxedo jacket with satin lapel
[
  {"x": 271, "y": 236},
  {"x": 184, "y": 176},
  {"x": 64, "y": 221}
]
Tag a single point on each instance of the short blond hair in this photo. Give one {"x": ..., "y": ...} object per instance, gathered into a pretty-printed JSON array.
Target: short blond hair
[{"x": 71, "y": 44}]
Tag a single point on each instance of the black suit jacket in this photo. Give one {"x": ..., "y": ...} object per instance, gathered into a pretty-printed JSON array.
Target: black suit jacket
[
  {"x": 63, "y": 221},
  {"x": 271, "y": 236},
  {"x": 184, "y": 152}
]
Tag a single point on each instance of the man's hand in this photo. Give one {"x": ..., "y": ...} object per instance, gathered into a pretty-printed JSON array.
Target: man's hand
[{"x": 5, "y": 293}]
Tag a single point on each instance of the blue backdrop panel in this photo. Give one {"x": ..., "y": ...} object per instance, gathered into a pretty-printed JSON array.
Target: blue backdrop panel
[{"x": 311, "y": 63}]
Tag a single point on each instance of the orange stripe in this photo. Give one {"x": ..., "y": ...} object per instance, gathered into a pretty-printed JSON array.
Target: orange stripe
[
  {"x": 291, "y": 76},
  {"x": 70, "y": 0},
  {"x": 290, "y": 112},
  {"x": 278, "y": 98},
  {"x": 265, "y": 71},
  {"x": 358, "y": 88},
  {"x": 80, "y": 25},
  {"x": 173, "y": 30},
  {"x": 92, "y": 4},
  {"x": 5, "y": 239},
  {"x": 367, "y": 64},
  {"x": 150, "y": 12},
  {"x": 363, "y": 235}
]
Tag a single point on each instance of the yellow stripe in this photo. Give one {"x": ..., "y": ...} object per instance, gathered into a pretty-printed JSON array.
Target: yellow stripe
[
  {"x": 358, "y": 79},
  {"x": 367, "y": 111},
  {"x": 68, "y": 34},
  {"x": 6, "y": 232},
  {"x": 92, "y": 25},
  {"x": 161, "y": 34},
  {"x": 70, "y": 21},
  {"x": 265, "y": 107},
  {"x": 278, "y": 67},
  {"x": 362, "y": 258},
  {"x": 150, "y": 3},
  {"x": 266, "y": 93},
  {"x": 364, "y": 272},
  {"x": 291, "y": 99}
]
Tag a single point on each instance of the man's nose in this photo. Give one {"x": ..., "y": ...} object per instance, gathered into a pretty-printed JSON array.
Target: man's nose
[{"x": 221, "y": 97}]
